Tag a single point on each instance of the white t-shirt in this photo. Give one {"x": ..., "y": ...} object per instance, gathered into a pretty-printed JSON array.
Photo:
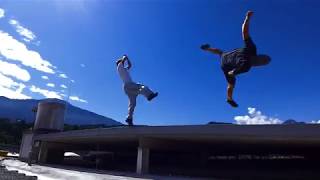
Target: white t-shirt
[{"x": 124, "y": 73}]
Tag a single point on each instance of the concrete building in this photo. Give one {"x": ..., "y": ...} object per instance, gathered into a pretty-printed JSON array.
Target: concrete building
[{"x": 152, "y": 148}]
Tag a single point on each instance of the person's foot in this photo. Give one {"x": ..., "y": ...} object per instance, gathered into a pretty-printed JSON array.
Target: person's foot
[
  {"x": 129, "y": 121},
  {"x": 152, "y": 96},
  {"x": 232, "y": 103}
]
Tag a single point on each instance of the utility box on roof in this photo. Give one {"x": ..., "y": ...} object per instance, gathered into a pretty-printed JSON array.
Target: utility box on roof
[{"x": 50, "y": 117}]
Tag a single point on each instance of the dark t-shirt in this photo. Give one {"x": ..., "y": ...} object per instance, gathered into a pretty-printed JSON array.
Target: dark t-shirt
[{"x": 238, "y": 60}]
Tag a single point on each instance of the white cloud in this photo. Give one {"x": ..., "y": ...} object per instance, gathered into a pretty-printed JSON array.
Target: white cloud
[
  {"x": 256, "y": 117},
  {"x": 12, "y": 94},
  {"x": 11, "y": 89},
  {"x": 17, "y": 51},
  {"x": 7, "y": 82},
  {"x": 26, "y": 33},
  {"x": 12, "y": 49},
  {"x": 14, "y": 71},
  {"x": 315, "y": 122},
  {"x": 45, "y": 93},
  {"x": 1, "y": 13},
  {"x": 45, "y": 77},
  {"x": 50, "y": 85},
  {"x": 76, "y": 98},
  {"x": 72, "y": 80},
  {"x": 63, "y": 76}
]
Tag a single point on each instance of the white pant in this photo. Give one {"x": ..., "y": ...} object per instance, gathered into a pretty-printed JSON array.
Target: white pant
[{"x": 133, "y": 90}]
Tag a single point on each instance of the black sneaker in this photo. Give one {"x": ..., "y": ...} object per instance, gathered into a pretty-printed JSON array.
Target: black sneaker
[
  {"x": 129, "y": 121},
  {"x": 232, "y": 103},
  {"x": 152, "y": 96}
]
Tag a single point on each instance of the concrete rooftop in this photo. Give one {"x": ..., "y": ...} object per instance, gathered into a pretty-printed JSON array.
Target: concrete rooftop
[{"x": 299, "y": 133}]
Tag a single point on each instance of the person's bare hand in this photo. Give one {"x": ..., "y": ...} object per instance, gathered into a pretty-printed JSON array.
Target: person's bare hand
[
  {"x": 205, "y": 46},
  {"x": 249, "y": 14}
]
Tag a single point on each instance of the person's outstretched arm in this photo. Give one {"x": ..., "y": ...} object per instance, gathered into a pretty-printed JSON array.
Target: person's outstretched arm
[
  {"x": 215, "y": 51},
  {"x": 206, "y": 47},
  {"x": 245, "y": 25}
]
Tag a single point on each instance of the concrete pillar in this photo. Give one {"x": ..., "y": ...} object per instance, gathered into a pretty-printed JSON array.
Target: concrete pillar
[
  {"x": 143, "y": 160},
  {"x": 43, "y": 152},
  {"x": 26, "y": 145}
]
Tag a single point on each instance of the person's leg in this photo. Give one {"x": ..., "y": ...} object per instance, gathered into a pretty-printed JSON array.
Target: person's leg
[
  {"x": 245, "y": 26},
  {"x": 250, "y": 47},
  {"x": 230, "y": 100},
  {"x": 231, "y": 84},
  {"x": 132, "y": 91},
  {"x": 230, "y": 89},
  {"x": 249, "y": 44},
  {"x": 147, "y": 92},
  {"x": 131, "y": 107}
]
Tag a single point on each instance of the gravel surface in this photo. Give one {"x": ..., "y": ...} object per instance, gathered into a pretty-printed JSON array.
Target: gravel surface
[
  {"x": 5, "y": 174},
  {"x": 52, "y": 173}
]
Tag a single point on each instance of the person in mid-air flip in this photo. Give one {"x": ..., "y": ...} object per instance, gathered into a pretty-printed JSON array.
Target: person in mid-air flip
[
  {"x": 239, "y": 60},
  {"x": 131, "y": 88}
]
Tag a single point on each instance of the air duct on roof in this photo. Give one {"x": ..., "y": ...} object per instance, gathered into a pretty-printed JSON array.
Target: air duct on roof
[{"x": 50, "y": 117}]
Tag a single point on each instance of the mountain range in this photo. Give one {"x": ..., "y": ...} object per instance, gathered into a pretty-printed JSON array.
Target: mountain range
[{"x": 17, "y": 109}]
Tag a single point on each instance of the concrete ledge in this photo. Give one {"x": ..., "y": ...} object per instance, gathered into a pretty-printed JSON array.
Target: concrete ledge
[{"x": 307, "y": 133}]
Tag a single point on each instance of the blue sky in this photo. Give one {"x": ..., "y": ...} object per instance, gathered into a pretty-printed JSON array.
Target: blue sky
[{"x": 75, "y": 44}]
